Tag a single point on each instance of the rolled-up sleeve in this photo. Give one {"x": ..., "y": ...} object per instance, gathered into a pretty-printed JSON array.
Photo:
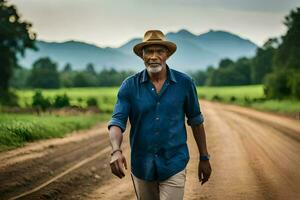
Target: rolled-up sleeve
[
  {"x": 192, "y": 107},
  {"x": 121, "y": 109}
]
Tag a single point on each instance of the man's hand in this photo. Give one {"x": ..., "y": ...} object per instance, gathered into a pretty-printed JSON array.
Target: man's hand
[
  {"x": 204, "y": 171},
  {"x": 116, "y": 164}
]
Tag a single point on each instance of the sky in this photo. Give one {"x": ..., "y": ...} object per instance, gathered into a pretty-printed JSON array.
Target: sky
[{"x": 114, "y": 22}]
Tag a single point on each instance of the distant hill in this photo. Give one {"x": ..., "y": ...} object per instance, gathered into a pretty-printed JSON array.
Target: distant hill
[{"x": 193, "y": 52}]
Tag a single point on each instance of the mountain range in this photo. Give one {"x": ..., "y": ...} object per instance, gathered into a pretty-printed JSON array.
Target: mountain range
[{"x": 193, "y": 52}]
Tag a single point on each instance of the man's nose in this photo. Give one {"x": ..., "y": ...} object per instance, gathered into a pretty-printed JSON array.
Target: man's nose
[{"x": 153, "y": 55}]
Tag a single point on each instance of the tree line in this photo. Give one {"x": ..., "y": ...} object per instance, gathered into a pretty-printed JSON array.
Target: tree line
[
  {"x": 45, "y": 74},
  {"x": 243, "y": 71},
  {"x": 276, "y": 65}
]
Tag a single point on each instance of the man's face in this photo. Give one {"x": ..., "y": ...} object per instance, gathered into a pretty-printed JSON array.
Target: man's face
[{"x": 155, "y": 57}]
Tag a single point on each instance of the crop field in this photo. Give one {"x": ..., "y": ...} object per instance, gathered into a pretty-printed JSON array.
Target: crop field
[
  {"x": 250, "y": 96},
  {"x": 16, "y": 129},
  {"x": 226, "y": 92},
  {"x": 106, "y": 97}
]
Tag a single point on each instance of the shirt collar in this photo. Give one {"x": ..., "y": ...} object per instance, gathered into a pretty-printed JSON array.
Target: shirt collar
[{"x": 170, "y": 75}]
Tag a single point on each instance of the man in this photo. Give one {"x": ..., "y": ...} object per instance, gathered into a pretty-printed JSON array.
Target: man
[{"x": 156, "y": 100}]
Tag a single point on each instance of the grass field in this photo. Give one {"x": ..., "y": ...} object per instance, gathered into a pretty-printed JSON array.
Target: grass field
[
  {"x": 106, "y": 97},
  {"x": 250, "y": 96},
  {"x": 226, "y": 92},
  {"x": 17, "y": 129}
]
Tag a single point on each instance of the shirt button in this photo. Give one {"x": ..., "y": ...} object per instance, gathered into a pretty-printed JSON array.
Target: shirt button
[
  {"x": 157, "y": 118},
  {"x": 158, "y": 103},
  {"x": 156, "y": 155},
  {"x": 152, "y": 88},
  {"x": 156, "y": 133}
]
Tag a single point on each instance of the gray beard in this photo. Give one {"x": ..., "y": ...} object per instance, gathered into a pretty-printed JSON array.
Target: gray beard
[{"x": 154, "y": 69}]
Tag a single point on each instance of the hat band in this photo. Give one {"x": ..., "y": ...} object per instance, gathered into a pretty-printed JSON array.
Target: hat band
[{"x": 154, "y": 39}]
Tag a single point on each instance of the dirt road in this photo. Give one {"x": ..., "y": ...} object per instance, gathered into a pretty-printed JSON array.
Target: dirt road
[{"x": 254, "y": 155}]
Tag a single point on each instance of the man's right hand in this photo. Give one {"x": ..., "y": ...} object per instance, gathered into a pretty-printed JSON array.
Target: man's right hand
[{"x": 116, "y": 164}]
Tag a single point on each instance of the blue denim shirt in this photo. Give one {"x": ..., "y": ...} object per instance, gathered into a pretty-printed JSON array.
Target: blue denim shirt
[{"x": 158, "y": 133}]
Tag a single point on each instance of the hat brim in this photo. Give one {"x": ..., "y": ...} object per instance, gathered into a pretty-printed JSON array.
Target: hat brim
[{"x": 138, "y": 49}]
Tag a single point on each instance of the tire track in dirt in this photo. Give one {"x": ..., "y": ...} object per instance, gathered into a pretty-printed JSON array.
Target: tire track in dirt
[
  {"x": 76, "y": 166},
  {"x": 251, "y": 159},
  {"x": 40, "y": 148},
  {"x": 273, "y": 156},
  {"x": 21, "y": 177},
  {"x": 115, "y": 188},
  {"x": 232, "y": 177}
]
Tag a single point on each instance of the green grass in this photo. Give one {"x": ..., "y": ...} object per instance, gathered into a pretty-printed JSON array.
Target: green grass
[
  {"x": 17, "y": 129},
  {"x": 226, "y": 92},
  {"x": 105, "y": 96},
  {"x": 249, "y": 96},
  {"x": 284, "y": 106}
]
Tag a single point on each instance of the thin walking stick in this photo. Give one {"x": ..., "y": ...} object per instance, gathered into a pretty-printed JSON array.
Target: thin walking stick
[{"x": 134, "y": 186}]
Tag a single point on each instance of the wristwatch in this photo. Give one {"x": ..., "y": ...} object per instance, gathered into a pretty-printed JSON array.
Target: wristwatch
[{"x": 204, "y": 157}]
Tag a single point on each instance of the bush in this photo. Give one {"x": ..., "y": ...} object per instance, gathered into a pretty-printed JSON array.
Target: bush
[
  {"x": 79, "y": 99},
  {"x": 40, "y": 102},
  {"x": 247, "y": 100},
  {"x": 232, "y": 98},
  {"x": 61, "y": 101},
  {"x": 92, "y": 101},
  {"x": 276, "y": 85},
  {"x": 8, "y": 98},
  {"x": 216, "y": 98},
  {"x": 294, "y": 83}
]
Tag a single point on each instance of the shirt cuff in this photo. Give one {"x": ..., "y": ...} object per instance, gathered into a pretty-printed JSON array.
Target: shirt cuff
[
  {"x": 116, "y": 122},
  {"x": 198, "y": 119}
]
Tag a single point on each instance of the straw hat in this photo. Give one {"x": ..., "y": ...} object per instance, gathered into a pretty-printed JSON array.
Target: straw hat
[{"x": 154, "y": 37}]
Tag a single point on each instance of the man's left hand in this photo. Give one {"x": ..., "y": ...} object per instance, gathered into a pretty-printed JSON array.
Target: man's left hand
[{"x": 204, "y": 171}]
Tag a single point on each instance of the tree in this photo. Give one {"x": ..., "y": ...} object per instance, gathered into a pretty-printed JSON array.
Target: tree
[
  {"x": 224, "y": 63},
  {"x": 15, "y": 37},
  {"x": 19, "y": 78},
  {"x": 275, "y": 85},
  {"x": 288, "y": 53},
  {"x": 110, "y": 77},
  {"x": 263, "y": 61},
  {"x": 67, "y": 68},
  {"x": 283, "y": 81},
  {"x": 210, "y": 73},
  {"x": 90, "y": 68},
  {"x": 230, "y": 73},
  {"x": 243, "y": 67},
  {"x": 84, "y": 79},
  {"x": 199, "y": 77},
  {"x": 44, "y": 74}
]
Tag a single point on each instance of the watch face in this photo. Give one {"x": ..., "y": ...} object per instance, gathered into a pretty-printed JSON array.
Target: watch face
[{"x": 204, "y": 157}]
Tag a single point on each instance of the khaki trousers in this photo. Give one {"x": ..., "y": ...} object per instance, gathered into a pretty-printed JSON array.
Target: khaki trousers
[{"x": 169, "y": 189}]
